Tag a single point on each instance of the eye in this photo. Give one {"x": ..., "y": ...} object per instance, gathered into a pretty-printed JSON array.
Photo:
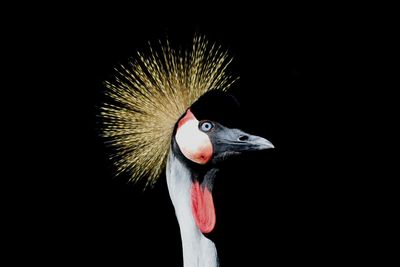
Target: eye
[{"x": 206, "y": 126}]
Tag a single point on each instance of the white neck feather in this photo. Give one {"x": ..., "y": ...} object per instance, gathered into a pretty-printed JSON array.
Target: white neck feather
[{"x": 198, "y": 251}]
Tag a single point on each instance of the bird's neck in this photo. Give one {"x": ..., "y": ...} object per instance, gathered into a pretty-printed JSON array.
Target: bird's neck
[{"x": 198, "y": 251}]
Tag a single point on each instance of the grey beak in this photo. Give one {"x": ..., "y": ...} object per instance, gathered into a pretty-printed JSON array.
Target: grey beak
[
  {"x": 259, "y": 143},
  {"x": 236, "y": 140},
  {"x": 229, "y": 142}
]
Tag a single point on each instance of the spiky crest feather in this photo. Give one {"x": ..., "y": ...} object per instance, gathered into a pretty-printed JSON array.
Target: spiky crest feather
[{"x": 148, "y": 97}]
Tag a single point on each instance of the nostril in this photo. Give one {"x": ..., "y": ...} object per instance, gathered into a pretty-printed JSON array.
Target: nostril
[{"x": 243, "y": 138}]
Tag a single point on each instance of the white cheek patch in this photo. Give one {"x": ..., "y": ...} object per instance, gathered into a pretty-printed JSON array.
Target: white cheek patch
[{"x": 193, "y": 143}]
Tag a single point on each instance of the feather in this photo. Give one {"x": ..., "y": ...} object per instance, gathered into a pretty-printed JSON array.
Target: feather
[{"x": 147, "y": 97}]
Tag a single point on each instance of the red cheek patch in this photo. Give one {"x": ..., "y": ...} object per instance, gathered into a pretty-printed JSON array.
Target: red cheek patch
[
  {"x": 189, "y": 116},
  {"x": 194, "y": 144},
  {"x": 203, "y": 208},
  {"x": 204, "y": 154}
]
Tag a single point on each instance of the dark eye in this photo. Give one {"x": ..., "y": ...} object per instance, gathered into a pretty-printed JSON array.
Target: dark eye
[{"x": 206, "y": 126}]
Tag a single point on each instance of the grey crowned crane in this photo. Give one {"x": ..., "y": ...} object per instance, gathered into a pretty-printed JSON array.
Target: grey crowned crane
[{"x": 151, "y": 122}]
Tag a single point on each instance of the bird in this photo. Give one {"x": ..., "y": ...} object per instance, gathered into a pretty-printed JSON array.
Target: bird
[{"x": 161, "y": 114}]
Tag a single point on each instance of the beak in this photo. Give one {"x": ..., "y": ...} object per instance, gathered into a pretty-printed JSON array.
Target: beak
[
  {"x": 257, "y": 143},
  {"x": 236, "y": 141}
]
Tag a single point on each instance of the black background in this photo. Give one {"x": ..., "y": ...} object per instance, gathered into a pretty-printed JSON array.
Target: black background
[{"x": 293, "y": 204}]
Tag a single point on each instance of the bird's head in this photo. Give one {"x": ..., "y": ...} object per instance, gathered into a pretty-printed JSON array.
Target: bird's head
[
  {"x": 202, "y": 140},
  {"x": 202, "y": 137}
]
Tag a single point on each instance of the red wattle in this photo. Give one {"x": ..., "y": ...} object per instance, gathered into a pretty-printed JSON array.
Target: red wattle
[{"x": 203, "y": 208}]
